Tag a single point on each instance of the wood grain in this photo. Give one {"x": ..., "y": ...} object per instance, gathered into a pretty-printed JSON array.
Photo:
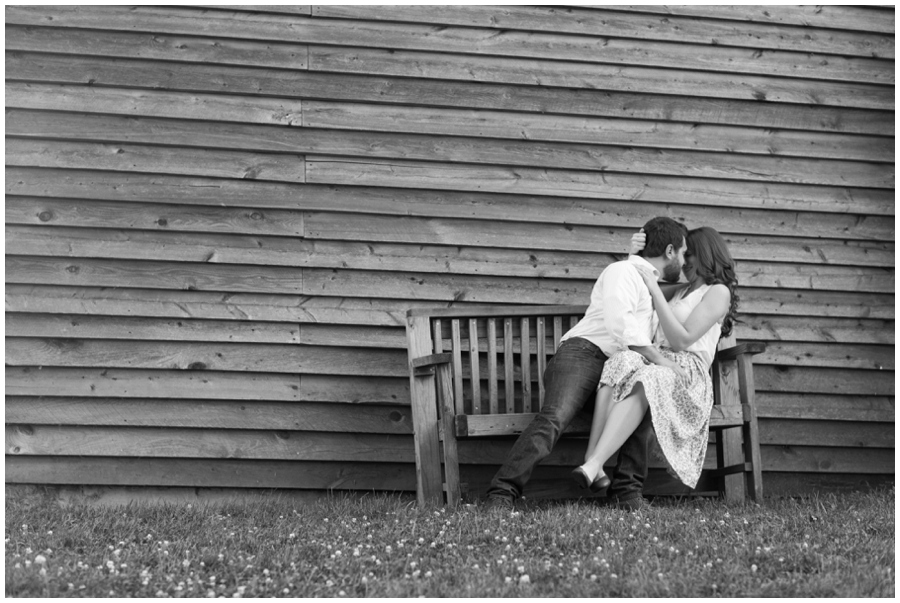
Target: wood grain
[
  {"x": 643, "y": 80},
  {"x": 228, "y": 473},
  {"x": 577, "y": 183},
  {"x": 564, "y": 128},
  {"x": 213, "y": 414},
  {"x": 203, "y": 356},
  {"x": 203, "y": 385},
  {"x": 154, "y": 103},
  {"x": 208, "y": 443},
  {"x": 212, "y": 308},
  {"x": 847, "y": 17},
  {"x": 639, "y": 23},
  {"x": 152, "y": 46},
  {"x": 418, "y": 287},
  {"x": 230, "y": 80},
  {"x": 450, "y": 149},
  {"x": 481, "y": 247},
  {"x": 145, "y": 158},
  {"x": 75, "y": 187}
]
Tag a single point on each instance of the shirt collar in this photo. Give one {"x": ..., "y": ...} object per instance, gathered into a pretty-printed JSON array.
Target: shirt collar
[{"x": 639, "y": 261}]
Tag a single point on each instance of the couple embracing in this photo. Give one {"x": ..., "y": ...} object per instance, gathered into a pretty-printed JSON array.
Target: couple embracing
[{"x": 641, "y": 345}]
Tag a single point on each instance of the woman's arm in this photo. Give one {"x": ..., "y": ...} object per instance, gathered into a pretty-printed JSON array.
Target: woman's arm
[
  {"x": 652, "y": 354},
  {"x": 711, "y": 309},
  {"x": 670, "y": 289}
]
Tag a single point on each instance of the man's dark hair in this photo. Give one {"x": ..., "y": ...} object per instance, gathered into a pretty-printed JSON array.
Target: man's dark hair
[{"x": 662, "y": 232}]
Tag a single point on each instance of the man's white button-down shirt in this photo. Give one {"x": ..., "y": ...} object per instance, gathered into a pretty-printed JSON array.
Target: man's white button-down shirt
[{"x": 621, "y": 309}]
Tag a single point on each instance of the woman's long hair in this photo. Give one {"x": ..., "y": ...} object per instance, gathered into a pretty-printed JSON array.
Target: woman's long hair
[{"x": 713, "y": 262}]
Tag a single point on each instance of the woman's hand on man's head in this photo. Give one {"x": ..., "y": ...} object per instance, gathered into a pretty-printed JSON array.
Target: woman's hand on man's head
[{"x": 638, "y": 242}]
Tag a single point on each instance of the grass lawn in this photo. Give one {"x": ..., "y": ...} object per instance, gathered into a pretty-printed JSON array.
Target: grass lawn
[{"x": 381, "y": 546}]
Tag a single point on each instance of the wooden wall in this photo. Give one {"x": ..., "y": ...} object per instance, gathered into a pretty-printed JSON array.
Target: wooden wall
[{"x": 217, "y": 217}]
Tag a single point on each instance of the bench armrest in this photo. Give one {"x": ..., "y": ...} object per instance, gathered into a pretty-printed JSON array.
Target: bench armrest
[
  {"x": 741, "y": 349},
  {"x": 424, "y": 365}
]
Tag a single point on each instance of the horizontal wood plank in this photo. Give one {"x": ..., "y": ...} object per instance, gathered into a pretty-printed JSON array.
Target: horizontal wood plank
[
  {"x": 564, "y": 128},
  {"x": 222, "y": 50},
  {"x": 452, "y": 256},
  {"x": 841, "y": 409},
  {"x": 860, "y": 18},
  {"x": 261, "y": 33},
  {"x": 145, "y": 158},
  {"x": 454, "y": 122},
  {"x": 229, "y": 80},
  {"x": 835, "y": 330},
  {"x": 125, "y": 327},
  {"x": 203, "y": 356},
  {"x": 140, "y": 328},
  {"x": 451, "y": 149},
  {"x": 382, "y": 242},
  {"x": 845, "y": 355},
  {"x": 111, "y": 382},
  {"x": 436, "y": 287},
  {"x": 156, "y": 103},
  {"x": 788, "y": 432},
  {"x": 668, "y": 26},
  {"x": 227, "y": 473},
  {"x": 153, "y": 275},
  {"x": 119, "y": 496},
  {"x": 74, "y": 192},
  {"x": 617, "y": 49},
  {"x": 577, "y": 183},
  {"x": 209, "y": 443},
  {"x": 642, "y": 80},
  {"x": 823, "y": 380},
  {"x": 206, "y": 305},
  {"x": 209, "y": 414},
  {"x": 801, "y": 484},
  {"x": 81, "y": 302},
  {"x": 262, "y": 8},
  {"x": 203, "y": 385}
]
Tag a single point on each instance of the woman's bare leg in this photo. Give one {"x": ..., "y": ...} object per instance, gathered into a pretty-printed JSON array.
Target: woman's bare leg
[
  {"x": 624, "y": 417},
  {"x": 602, "y": 406}
]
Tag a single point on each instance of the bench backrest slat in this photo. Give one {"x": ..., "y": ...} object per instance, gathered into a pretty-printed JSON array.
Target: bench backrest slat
[
  {"x": 493, "y": 379},
  {"x": 475, "y": 376},
  {"x": 508, "y": 365},
  {"x": 525, "y": 363},
  {"x": 541, "y": 329}
]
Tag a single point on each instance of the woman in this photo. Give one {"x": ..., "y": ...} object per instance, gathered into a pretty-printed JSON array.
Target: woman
[{"x": 673, "y": 381}]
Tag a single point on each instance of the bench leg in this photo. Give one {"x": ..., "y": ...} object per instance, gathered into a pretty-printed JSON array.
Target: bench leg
[
  {"x": 751, "y": 452},
  {"x": 730, "y": 452},
  {"x": 451, "y": 459},
  {"x": 429, "y": 490},
  {"x": 751, "y": 427}
]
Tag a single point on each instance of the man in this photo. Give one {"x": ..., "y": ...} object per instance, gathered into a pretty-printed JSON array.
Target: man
[{"x": 620, "y": 317}]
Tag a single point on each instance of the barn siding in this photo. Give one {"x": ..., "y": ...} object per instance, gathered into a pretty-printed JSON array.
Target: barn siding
[{"x": 217, "y": 217}]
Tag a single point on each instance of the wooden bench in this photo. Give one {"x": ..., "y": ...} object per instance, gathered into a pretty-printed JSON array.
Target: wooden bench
[{"x": 478, "y": 371}]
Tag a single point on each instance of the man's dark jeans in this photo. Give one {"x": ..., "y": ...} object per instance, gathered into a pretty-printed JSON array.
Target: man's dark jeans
[{"x": 570, "y": 380}]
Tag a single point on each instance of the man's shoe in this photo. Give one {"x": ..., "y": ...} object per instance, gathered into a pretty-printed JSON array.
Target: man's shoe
[{"x": 500, "y": 503}]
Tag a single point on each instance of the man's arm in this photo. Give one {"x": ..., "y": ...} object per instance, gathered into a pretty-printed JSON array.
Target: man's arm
[{"x": 622, "y": 287}]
